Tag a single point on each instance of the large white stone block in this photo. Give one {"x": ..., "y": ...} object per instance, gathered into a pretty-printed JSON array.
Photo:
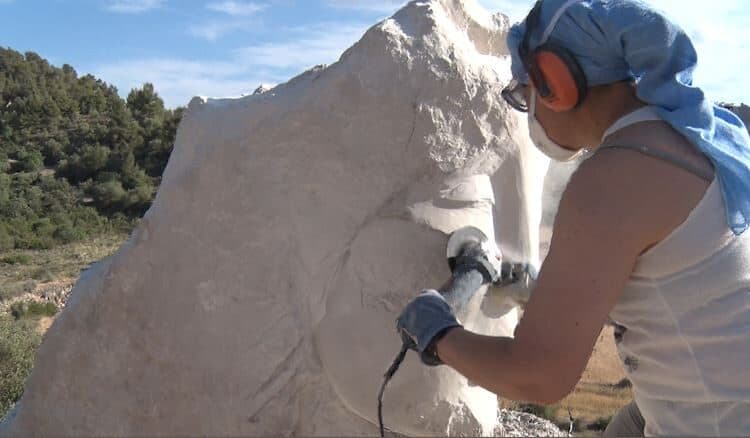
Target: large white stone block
[{"x": 258, "y": 295}]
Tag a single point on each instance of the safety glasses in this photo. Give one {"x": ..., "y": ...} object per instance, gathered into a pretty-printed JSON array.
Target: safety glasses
[{"x": 515, "y": 95}]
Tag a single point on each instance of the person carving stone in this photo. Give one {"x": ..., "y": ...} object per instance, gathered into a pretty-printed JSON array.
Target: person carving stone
[{"x": 651, "y": 231}]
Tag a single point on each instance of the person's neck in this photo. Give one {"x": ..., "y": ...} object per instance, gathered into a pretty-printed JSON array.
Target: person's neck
[{"x": 607, "y": 110}]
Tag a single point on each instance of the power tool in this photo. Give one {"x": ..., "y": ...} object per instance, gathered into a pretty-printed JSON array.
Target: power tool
[{"x": 484, "y": 255}]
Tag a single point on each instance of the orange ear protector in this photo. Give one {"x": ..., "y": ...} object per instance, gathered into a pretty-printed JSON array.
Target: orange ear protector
[{"x": 554, "y": 72}]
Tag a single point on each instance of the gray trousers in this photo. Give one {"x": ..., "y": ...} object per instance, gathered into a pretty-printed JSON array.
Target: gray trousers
[{"x": 628, "y": 422}]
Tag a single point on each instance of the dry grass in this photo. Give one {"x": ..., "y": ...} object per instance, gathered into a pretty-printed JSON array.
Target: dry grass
[
  {"x": 44, "y": 324},
  {"x": 65, "y": 262},
  {"x": 597, "y": 396},
  {"x": 592, "y": 401}
]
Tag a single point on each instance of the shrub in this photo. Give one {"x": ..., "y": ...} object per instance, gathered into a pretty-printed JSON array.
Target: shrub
[
  {"x": 4, "y": 163},
  {"x": 18, "y": 342},
  {"x": 66, "y": 233},
  {"x": 13, "y": 290},
  {"x": 53, "y": 152},
  {"x": 16, "y": 259},
  {"x": 623, "y": 384},
  {"x": 30, "y": 161},
  {"x": 7, "y": 242},
  {"x": 35, "y": 242},
  {"x": 43, "y": 227},
  {"x": 109, "y": 195},
  {"x": 43, "y": 275},
  {"x": 600, "y": 423},
  {"x": 32, "y": 309}
]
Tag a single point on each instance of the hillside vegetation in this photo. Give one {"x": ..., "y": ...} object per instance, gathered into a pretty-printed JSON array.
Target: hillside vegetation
[{"x": 75, "y": 158}]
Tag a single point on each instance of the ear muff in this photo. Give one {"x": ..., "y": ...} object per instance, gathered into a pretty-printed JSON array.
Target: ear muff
[
  {"x": 553, "y": 70},
  {"x": 563, "y": 84}
]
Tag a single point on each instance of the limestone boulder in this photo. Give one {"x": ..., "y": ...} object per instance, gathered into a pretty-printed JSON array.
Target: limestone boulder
[{"x": 259, "y": 293}]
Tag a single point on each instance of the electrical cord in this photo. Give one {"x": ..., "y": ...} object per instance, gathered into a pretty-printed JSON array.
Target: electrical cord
[
  {"x": 465, "y": 282},
  {"x": 387, "y": 378}
]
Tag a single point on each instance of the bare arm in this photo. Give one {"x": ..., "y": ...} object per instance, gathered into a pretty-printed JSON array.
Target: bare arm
[{"x": 606, "y": 220}]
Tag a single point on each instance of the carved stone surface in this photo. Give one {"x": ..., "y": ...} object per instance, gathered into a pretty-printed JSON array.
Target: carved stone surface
[{"x": 258, "y": 295}]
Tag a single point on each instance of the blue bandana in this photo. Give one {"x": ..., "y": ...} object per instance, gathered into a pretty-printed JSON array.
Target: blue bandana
[{"x": 615, "y": 40}]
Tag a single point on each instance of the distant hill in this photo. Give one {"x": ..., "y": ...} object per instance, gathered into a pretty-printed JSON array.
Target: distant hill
[
  {"x": 742, "y": 110},
  {"x": 74, "y": 156}
]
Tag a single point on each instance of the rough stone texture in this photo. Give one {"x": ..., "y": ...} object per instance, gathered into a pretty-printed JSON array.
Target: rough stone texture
[
  {"x": 519, "y": 424},
  {"x": 258, "y": 296}
]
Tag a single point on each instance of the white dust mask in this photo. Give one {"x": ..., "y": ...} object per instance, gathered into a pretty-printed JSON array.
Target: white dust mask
[{"x": 543, "y": 142}]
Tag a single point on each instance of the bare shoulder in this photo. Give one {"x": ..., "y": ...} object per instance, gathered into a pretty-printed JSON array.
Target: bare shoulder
[{"x": 635, "y": 195}]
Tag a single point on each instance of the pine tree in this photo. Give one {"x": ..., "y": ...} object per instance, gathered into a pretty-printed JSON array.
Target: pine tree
[{"x": 65, "y": 140}]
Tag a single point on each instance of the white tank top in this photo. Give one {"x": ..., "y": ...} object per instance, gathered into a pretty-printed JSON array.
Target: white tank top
[{"x": 682, "y": 325}]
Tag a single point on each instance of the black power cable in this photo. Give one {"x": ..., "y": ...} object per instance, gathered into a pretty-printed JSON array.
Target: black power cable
[
  {"x": 475, "y": 270},
  {"x": 388, "y": 375},
  {"x": 465, "y": 283}
]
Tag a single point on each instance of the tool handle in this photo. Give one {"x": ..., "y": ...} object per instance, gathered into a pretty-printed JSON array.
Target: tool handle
[{"x": 462, "y": 288}]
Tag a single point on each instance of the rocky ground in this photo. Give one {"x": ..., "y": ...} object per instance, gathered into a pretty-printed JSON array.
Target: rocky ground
[
  {"x": 518, "y": 424},
  {"x": 56, "y": 292}
]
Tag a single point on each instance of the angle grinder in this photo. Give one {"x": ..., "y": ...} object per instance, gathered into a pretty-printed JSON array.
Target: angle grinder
[{"x": 465, "y": 283}]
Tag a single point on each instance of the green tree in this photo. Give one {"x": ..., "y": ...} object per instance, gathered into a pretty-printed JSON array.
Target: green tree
[
  {"x": 94, "y": 144},
  {"x": 29, "y": 161}
]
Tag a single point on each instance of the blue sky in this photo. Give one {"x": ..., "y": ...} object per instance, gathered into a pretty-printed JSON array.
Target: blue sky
[{"x": 229, "y": 47}]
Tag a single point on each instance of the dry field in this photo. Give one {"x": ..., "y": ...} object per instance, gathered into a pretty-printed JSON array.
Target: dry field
[
  {"x": 26, "y": 271},
  {"x": 600, "y": 393}
]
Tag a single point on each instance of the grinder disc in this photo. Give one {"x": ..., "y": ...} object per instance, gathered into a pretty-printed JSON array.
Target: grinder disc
[{"x": 459, "y": 239}]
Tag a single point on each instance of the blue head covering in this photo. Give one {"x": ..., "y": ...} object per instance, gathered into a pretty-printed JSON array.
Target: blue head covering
[{"x": 615, "y": 40}]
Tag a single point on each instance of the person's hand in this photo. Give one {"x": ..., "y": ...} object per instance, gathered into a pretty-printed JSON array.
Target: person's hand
[
  {"x": 485, "y": 258},
  {"x": 490, "y": 264},
  {"x": 512, "y": 273},
  {"x": 425, "y": 320}
]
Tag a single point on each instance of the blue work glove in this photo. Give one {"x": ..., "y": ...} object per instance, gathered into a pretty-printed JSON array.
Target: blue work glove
[{"x": 425, "y": 320}]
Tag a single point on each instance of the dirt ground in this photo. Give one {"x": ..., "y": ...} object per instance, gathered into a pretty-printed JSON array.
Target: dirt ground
[{"x": 601, "y": 391}]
